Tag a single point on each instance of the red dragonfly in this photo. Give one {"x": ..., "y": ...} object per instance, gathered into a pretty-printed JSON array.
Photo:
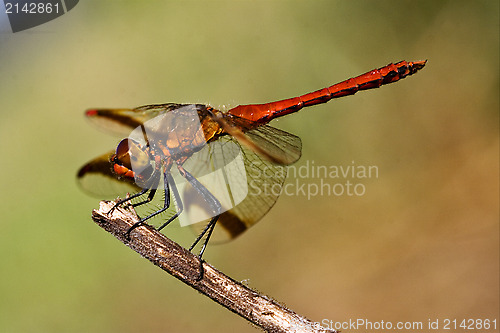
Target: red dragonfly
[{"x": 195, "y": 141}]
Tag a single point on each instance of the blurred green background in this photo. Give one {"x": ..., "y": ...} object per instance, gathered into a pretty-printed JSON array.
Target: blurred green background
[{"x": 422, "y": 243}]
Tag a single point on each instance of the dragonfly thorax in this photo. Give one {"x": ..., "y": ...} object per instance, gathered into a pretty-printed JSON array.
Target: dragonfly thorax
[{"x": 173, "y": 136}]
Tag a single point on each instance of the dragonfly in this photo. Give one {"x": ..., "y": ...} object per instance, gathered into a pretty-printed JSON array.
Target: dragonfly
[{"x": 175, "y": 149}]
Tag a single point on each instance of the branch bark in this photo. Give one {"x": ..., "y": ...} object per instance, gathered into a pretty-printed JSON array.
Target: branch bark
[{"x": 182, "y": 264}]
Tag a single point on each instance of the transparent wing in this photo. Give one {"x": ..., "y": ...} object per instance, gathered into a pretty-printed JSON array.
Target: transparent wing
[
  {"x": 287, "y": 147},
  {"x": 121, "y": 122},
  {"x": 270, "y": 143},
  {"x": 97, "y": 179},
  {"x": 261, "y": 179}
]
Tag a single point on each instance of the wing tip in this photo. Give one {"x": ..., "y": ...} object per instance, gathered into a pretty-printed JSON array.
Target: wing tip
[{"x": 91, "y": 112}]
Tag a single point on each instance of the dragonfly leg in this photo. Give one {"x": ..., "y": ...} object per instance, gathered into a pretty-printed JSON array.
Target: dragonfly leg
[
  {"x": 180, "y": 208},
  {"x": 127, "y": 199},
  {"x": 152, "y": 185},
  {"x": 150, "y": 197},
  {"x": 214, "y": 205},
  {"x": 208, "y": 230},
  {"x": 166, "y": 205}
]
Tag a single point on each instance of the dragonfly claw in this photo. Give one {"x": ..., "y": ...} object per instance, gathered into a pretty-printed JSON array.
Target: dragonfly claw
[
  {"x": 202, "y": 270},
  {"x": 135, "y": 225}
]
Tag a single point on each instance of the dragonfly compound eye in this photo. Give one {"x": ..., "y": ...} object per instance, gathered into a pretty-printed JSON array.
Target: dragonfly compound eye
[{"x": 132, "y": 155}]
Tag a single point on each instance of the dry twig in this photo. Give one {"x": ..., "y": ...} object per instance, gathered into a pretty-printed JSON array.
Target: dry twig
[{"x": 182, "y": 264}]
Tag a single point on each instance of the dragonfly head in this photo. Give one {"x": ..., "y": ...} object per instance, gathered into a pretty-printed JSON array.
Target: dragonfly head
[{"x": 130, "y": 159}]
